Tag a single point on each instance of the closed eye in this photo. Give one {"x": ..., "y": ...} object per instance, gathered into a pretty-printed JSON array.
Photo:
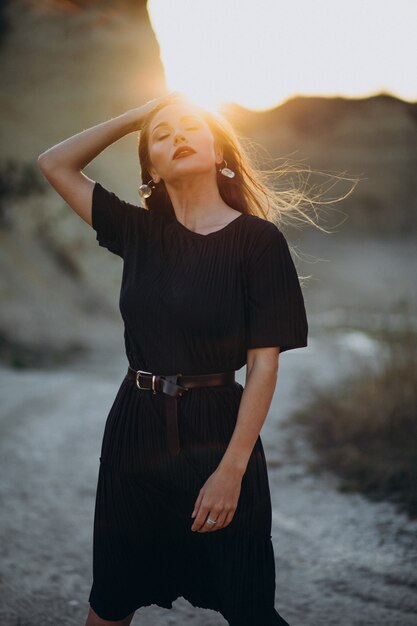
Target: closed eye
[{"x": 191, "y": 127}]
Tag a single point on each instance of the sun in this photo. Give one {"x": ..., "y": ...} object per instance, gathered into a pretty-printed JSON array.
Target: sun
[{"x": 258, "y": 56}]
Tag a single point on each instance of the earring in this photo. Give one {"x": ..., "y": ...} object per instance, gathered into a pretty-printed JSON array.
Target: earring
[
  {"x": 226, "y": 171},
  {"x": 146, "y": 190}
]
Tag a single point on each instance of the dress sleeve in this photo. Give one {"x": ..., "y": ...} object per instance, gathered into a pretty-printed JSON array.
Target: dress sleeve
[
  {"x": 276, "y": 314},
  {"x": 114, "y": 220}
]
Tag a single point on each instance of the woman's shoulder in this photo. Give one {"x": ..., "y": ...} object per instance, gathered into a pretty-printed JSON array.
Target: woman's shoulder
[
  {"x": 260, "y": 222},
  {"x": 262, "y": 239},
  {"x": 261, "y": 230},
  {"x": 104, "y": 197}
]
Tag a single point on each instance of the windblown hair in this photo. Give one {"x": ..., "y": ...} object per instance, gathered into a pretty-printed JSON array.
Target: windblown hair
[{"x": 253, "y": 190}]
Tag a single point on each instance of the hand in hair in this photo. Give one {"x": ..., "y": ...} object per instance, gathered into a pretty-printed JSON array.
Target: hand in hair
[{"x": 138, "y": 114}]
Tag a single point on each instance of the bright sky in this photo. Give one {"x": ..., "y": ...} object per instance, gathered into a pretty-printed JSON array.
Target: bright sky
[{"x": 260, "y": 53}]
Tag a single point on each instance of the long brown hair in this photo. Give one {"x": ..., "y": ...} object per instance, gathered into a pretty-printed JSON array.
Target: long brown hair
[{"x": 253, "y": 190}]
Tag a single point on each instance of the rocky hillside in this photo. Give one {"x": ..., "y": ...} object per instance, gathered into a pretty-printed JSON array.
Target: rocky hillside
[
  {"x": 64, "y": 69},
  {"x": 373, "y": 138}
]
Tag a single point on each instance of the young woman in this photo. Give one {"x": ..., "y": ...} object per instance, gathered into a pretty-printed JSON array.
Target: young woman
[{"x": 183, "y": 505}]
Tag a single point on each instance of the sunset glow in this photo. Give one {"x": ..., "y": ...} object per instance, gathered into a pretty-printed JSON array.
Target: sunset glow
[{"x": 260, "y": 54}]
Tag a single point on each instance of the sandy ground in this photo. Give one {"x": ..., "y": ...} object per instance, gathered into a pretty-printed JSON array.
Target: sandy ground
[{"x": 340, "y": 559}]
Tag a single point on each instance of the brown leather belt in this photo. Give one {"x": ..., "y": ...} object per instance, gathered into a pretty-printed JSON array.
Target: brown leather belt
[{"x": 174, "y": 385}]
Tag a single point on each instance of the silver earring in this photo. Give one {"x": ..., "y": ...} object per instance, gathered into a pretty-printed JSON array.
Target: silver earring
[
  {"x": 146, "y": 190},
  {"x": 226, "y": 171}
]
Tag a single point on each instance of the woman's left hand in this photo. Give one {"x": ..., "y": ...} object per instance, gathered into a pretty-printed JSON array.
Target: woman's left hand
[{"x": 218, "y": 500}]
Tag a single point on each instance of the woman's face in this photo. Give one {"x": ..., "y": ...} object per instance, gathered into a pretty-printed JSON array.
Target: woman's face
[{"x": 179, "y": 127}]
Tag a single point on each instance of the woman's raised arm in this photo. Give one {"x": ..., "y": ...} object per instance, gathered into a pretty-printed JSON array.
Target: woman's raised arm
[{"x": 63, "y": 163}]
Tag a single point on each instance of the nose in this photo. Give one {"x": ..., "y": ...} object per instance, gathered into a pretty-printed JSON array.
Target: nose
[{"x": 179, "y": 137}]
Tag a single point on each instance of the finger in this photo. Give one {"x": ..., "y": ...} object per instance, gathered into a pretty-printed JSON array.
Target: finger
[
  {"x": 221, "y": 518},
  {"x": 213, "y": 515},
  {"x": 206, "y": 528},
  {"x": 201, "y": 517},
  {"x": 229, "y": 518},
  {"x": 224, "y": 521},
  {"x": 197, "y": 505}
]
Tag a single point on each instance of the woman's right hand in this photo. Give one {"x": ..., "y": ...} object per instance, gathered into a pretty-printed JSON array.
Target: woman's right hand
[
  {"x": 62, "y": 164},
  {"x": 138, "y": 114}
]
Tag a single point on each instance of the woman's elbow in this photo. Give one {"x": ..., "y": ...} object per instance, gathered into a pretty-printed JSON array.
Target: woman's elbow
[
  {"x": 264, "y": 359},
  {"x": 44, "y": 162}
]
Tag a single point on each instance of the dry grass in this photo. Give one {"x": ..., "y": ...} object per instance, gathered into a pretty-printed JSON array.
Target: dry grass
[{"x": 365, "y": 428}]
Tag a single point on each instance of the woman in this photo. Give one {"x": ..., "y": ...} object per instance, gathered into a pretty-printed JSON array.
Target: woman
[{"x": 183, "y": 506}]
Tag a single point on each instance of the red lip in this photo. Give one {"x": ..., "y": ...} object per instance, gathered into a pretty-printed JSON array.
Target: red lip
[{"x": 186, "y": 149}]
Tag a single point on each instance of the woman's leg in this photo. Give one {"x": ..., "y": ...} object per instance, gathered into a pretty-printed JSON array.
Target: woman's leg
[{"x": 94, "y": 620}]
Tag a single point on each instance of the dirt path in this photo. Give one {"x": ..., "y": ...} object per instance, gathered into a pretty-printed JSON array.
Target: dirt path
[{"x": 340, "y": 559}]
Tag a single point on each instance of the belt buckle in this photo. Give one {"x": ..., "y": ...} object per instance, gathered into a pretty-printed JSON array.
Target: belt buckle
[{"x": 138, "y": 373}]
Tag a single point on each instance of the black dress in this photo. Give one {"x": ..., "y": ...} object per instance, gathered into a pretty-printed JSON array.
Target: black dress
[{"x": 193, "y": 304}]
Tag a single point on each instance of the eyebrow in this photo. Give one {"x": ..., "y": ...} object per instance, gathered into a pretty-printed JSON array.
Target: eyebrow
[{"x": 184, "y": 117}]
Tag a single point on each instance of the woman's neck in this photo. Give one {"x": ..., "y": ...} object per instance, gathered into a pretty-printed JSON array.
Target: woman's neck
[{"x": 197, "y": 201}]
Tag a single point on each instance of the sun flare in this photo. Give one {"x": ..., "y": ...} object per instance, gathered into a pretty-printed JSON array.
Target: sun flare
[{"x": 259, "y": 55}]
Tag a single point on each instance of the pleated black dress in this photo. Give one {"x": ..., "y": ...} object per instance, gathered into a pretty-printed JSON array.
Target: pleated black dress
[{"x": 193, "y": 304}]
